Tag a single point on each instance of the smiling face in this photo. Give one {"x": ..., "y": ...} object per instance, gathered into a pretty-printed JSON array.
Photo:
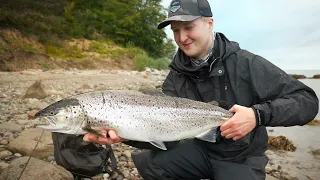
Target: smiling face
[{"x": 194, "y": 38}]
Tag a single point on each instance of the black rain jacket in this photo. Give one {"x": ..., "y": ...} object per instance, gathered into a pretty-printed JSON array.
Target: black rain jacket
[{"x": 250, "y": 81}]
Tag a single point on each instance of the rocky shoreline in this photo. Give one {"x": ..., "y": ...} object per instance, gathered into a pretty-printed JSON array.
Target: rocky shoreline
[
  {"x": 27, "y": 152},
  {"x": 301, "y": 76}
]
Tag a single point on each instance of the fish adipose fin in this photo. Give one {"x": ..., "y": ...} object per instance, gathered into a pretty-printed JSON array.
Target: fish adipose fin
[
  {"x": 92, "y": 131},
  {"x": 210, "y": 135},
  {"x": 158, "y": 144}
]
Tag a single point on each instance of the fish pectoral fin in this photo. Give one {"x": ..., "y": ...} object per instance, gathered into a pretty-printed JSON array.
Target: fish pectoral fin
[
  {"x": 210, "y": 135},
  {"x": 92, "y": 131},
  {"x": 158, "y": 144}
]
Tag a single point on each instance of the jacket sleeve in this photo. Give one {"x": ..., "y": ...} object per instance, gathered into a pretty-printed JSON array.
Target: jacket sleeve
[
  {"x": 168, "y": 85},
  {"x": 282, "y": 100}
]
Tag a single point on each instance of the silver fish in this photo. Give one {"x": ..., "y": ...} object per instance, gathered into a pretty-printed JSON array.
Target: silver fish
[{"x": 134, "y": 116}]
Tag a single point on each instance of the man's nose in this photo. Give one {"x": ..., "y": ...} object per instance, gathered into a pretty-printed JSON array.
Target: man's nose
[{"x": 183, "y": 36}]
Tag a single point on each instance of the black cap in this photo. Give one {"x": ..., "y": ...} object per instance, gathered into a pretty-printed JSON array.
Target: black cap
[{"x": 186, "y": 10}]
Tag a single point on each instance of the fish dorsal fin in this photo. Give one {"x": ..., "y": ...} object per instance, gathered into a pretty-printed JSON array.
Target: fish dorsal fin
[
  {"x": 158, "y": 144},
  {"x": 209, "y": 135}
]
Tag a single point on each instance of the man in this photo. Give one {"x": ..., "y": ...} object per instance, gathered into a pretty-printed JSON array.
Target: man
[{"x": 208, "y": 67}]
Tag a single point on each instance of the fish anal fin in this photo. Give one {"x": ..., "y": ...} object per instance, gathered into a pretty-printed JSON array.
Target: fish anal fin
[
  {"x": 158, "y": 144},
  {"x": 209, "y": 135},
  {"x": 92, "y": 131}
]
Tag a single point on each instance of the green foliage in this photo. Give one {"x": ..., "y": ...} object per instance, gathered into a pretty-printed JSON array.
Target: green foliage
[
  {"x": 64, "y": 52},
  {"x": 68, "y": 11},
  {"x": 108, "y": 50},
  {"x": 142, "y": 60},
  {"x": 159, "y": 64},
  {"x": 125, "y": 22}
]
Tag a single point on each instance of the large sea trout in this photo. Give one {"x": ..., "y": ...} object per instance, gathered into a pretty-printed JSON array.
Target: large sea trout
[{"x": 134, "y": 116}]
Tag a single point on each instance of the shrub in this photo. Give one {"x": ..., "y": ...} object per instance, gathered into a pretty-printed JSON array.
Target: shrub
[
  {"x": 159, "y": 64},
  {"x": 141, "y": 61}
]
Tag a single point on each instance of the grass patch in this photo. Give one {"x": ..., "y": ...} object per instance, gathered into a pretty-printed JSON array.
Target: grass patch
[
  {"x": 142, "y": 60},
  {"x": 69, "y": 52},
  {"x": 109, "y": 49},
  {"x": 159, "y": 64}
]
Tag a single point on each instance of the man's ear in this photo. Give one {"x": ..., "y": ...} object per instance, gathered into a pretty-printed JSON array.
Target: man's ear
[{"x": 211, "y": 23}]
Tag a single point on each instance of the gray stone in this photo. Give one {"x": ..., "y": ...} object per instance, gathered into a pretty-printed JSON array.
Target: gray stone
[
  {"x": 268, "y": 177},
  {"x": 28, "y": 143},
  {"x": 31, "y": 169},
  {"x": 126, "y": 154},
  {"x": 3, "y": 165},
  {"x": 4, "y": 142},
  {"x": 4, "y": 154},
  {"x": 12, "y": 127},
  {"x": 36, "y": 91}
]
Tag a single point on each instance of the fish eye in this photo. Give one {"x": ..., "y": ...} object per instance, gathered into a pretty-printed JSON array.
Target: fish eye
[{"x": 51, "y": 112}]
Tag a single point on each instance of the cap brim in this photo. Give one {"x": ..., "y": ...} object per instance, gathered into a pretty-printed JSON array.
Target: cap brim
[{"x": 167, "y": 21}]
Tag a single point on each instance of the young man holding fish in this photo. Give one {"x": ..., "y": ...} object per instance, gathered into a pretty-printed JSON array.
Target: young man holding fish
[{"x": 208, "y": 67}]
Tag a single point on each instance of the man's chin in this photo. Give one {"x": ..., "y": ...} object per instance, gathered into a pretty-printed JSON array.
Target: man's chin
[
  {"x": 188, "y": 51},
  {"x": 190, "y": 54}
]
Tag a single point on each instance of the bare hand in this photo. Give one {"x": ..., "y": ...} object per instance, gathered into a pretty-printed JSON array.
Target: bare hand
[
  {"x": 240, "y": 124},
  {"x": 111, "y": 137}
]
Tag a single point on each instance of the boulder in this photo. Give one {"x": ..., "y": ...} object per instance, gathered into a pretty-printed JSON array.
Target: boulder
[
  {"x": 26, "y": 168},
  {"x": 298, "y": 76},
  {"x": 36, "y": 91},
  {"x": 27, "y": 143},
  {"x": 317, "y": 76}
]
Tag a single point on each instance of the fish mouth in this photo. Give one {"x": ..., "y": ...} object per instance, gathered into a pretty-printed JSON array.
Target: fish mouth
[{"x": 46, "y": 122}]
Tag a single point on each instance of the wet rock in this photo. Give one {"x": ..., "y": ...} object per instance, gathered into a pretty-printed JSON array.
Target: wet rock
[
  {"x": 34, "y": 169},
  {"x": 317, "y": 76},
  {"x": 298, "y": 76}
]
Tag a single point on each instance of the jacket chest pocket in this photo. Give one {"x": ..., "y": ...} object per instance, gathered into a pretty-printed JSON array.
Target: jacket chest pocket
[{"x": 208, "y": 90}]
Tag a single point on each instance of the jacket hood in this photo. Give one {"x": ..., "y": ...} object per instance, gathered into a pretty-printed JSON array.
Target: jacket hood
[{"x": 222, "y": 49}]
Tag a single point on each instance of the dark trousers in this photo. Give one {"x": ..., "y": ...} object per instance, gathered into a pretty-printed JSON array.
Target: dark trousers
[{"x": 189, "y": 160}]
